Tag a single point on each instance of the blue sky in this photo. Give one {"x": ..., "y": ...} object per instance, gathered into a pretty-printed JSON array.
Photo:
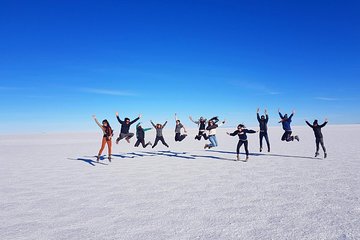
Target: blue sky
[{"x": 62, "y": 61}]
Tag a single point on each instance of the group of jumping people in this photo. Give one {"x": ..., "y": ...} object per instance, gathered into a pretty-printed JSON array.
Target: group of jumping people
[{"x": 207, "y": 130}]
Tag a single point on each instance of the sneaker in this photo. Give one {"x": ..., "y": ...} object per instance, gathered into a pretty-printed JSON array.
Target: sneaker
[
  {"x": 117, "y": 141},
  {"x": 297, "y": 138},
  {"x": 237, "y": 158},
  {"x": 247, "y": 158},
  {"x": 109, "y": 159},
  {"x": 316, "y": 154},
  {"x": 260, "y": 149},
  {"x": 269, "y": 150},
  {"x": 325, "y": 155},
  {"x": 97, "y": 158},
  {"x": 206, "y": 146}
]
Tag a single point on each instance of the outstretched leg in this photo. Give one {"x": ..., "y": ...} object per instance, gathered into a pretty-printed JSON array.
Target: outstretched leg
[
  {"x": 156, "y": 141},
  {"x": 163, "y": 141}
]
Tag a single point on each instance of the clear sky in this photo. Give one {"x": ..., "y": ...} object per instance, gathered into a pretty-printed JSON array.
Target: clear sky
[{"x": 62, "y": 61}]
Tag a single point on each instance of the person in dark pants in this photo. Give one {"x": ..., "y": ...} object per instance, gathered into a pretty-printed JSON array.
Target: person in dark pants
[
  {"x": 285, "y": 121},
  {"x": 263, "y": 120},
  {"x": 125, "y": 127},
  {"x": 140, "y": 135},
  {"x": 202, "y": 126},
  {"x": 159, "y": 134},
  {"x": 318, "y": 135},
  {"x": 178, "y": 136},
  {"x": 241, "y": 132}
]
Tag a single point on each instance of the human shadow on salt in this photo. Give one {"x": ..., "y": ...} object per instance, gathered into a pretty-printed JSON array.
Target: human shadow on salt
[
  {"x": 89, "y": 161},
  {"x": 139, "y": 154},
  {"x": 265, "y": 154},
  {"x": 122, "y": 156},
  {"x": 212, "y": 157},
  {"x": 169, "y": 154}
]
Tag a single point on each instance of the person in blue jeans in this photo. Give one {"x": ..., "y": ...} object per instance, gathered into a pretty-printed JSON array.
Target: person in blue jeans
[
  {"x": 286, "y": 121},
  {"x": 212, "y": 126}
]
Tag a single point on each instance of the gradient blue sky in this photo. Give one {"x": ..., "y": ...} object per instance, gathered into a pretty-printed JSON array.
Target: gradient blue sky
[{"x": 62, "y": 61}]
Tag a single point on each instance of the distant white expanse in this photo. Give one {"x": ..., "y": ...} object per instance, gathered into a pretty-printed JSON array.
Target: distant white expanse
[{"x": 52, "y": 188}]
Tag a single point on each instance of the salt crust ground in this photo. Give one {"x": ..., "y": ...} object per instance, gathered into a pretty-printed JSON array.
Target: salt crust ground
[{"x": 52, "y": 188}]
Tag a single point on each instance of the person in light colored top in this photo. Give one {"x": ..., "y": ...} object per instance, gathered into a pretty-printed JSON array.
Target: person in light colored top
[
  {"x": 107, "y": 135},
  {"x": 212, "y": 126},
  {"x": 178, "y": 136}
]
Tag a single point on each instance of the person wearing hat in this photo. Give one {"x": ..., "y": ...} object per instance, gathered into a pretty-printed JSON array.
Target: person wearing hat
[
  {"x": 318, "y": 135},
  {"x": 125, "y": 127}
]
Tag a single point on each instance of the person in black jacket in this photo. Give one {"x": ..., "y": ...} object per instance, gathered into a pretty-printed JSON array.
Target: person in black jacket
[
  {"x": 318, "y": 135},
  {"x": 125, "y": 127},
  {"x": 202, "y": 126},
  {"x": 140, "y": 135},
  {"x": 263, "y": 120},
  {"x": 241, "y": 132}
]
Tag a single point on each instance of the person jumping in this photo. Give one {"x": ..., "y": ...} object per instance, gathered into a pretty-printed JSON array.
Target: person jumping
[
  {"x": 125, "y": 127},
  {"x": 263, "y": 120},
  {"x": 159, "y": 134},
  {"x": 285, "y": 121}
]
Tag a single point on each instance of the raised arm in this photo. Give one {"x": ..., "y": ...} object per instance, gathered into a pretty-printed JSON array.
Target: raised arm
[
  {"x": 153, "y": 124},
  {"x": 133, "y": 121},
  {"x": 292, "y": 114},
  {"x": 309, "y": 124},
  {"x": 164, "y": 124},
  {"x": 146, "y": 129},
  {"x": 118, "y": 118},
  {"x": 323, "y": 125},
  {"x": 193, "y": 120},
  {"x": 266, "y": 116},
  {"x": 258, "y": 116},
  {"x": 214, "y": 119},
  {"x": 281, "y": 116},
  {"x": 97, "y": 122}
]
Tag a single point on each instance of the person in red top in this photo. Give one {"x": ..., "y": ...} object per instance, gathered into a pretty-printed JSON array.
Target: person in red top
[{"x": 107, "y": 135}]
